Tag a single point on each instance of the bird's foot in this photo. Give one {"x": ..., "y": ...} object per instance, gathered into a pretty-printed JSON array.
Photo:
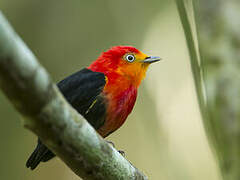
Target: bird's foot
[
  {"x": 110, "y": 142},
  {"x": 113, "y": 145},
  {"x": 122, "y": 153}
]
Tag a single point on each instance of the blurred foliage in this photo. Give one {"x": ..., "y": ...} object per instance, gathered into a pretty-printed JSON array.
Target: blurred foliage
[
  {"x": 193, "y": 52},
  {"x": 219, "y": 37},
  {"x": 163, "y": 136}
]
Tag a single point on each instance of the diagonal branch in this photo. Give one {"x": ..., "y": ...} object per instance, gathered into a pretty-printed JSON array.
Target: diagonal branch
[{"x": 30, "y": 89}]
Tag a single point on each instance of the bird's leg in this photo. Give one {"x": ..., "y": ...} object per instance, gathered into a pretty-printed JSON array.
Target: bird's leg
[
  {"x": 122, "y": 153},
  {"x": 113, "y": 145},
  {"x": 110, "y": 142}
]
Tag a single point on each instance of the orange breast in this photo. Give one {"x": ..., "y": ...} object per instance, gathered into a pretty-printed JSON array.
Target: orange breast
[{"x": 121, "y": 96}]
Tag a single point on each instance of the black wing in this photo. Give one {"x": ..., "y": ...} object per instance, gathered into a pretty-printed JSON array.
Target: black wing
[{"x": 82, "y": 90}]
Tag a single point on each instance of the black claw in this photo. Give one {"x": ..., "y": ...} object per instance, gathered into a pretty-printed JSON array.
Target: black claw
[
  {"x": 122, "y": 153},
  {"x": 113, "y": 145},
  {"x": 110, "y": 142}
]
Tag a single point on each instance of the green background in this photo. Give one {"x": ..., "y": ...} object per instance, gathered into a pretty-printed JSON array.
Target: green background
[{"x": 164, "y": 135}]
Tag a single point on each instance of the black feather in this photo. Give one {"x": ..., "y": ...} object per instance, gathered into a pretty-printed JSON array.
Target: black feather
[
  {"x": 41, "y": 153},
  {"x": 83, "y": 91}
]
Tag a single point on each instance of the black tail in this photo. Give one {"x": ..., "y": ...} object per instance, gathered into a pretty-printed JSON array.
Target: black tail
[{"x": 41, "y": 153}]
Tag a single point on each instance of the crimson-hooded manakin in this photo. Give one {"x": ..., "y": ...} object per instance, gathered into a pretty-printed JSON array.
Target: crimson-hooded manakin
[{"x": 103, "y": 93}]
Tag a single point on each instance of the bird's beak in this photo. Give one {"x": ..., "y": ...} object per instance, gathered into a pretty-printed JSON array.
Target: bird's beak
[{"x": 151, "y": 59}]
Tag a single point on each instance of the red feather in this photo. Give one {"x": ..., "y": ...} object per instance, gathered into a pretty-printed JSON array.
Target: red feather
[{"x": 120, "y": 91}]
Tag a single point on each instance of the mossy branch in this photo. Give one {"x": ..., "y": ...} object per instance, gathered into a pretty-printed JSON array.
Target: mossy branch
[{"x": 46, "y": 113}]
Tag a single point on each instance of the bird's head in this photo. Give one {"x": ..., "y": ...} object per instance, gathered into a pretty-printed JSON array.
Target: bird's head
[{"x": 124, "y": 61}]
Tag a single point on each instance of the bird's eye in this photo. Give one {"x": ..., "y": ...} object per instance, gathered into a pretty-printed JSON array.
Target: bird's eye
[{"x": 130, "y": 57}]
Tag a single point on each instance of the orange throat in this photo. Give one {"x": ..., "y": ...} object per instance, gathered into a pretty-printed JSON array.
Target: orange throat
[
  {"x": 123, "y": 78},
  {"x": 121, "y": 95}
]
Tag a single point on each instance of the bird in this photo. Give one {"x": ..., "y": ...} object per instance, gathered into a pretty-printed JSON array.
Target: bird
[{"x": 104, "y": 93}]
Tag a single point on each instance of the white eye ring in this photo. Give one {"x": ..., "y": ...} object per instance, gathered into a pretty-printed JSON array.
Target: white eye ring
[{"x": 130, "y": 57}]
